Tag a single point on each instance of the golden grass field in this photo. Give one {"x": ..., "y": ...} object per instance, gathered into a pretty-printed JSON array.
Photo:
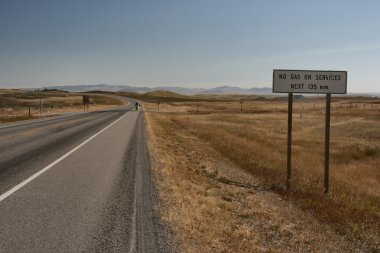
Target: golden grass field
[
  {"x": 14, "y": 104},
  {"x": 254, "y": 141}
]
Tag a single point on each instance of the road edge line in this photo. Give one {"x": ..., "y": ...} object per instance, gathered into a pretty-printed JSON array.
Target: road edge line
[{"x": 37, "y": 174}]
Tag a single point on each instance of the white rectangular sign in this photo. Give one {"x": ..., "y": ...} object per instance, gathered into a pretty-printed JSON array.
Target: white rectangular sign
[{"x": 309, "y": 81}]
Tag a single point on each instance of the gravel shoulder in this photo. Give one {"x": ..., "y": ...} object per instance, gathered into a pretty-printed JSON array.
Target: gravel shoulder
[{"x": 131, "y": 222}]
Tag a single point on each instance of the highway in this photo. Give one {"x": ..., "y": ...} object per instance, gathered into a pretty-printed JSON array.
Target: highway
[{"x": 79, "y": 183}]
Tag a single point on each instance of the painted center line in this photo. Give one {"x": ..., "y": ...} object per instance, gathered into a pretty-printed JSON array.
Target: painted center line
[{"x": 34, "y": 176}]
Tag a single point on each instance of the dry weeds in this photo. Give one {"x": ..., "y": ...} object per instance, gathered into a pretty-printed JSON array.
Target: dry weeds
[{"x": 221, "y": 177}]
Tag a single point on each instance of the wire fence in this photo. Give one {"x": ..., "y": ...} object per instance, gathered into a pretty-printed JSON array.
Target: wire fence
[{"x": 257, "y": 106}]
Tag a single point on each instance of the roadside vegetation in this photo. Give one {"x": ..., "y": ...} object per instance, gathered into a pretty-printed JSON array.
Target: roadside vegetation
[
  {"x": 196, "y": 143},
  {"x": 15, "y": 105}
]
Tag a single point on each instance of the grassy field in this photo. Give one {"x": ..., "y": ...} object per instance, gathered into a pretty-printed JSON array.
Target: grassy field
[
  {"x": 253, "y": 139},
  {"x": 15, "y": 103}
]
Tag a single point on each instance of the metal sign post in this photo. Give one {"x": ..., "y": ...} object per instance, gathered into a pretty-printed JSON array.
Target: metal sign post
[
  {"x": 327, "y": 143},
  {"x": 309, "y": 81},
  {"x": 289, "y": 152}
]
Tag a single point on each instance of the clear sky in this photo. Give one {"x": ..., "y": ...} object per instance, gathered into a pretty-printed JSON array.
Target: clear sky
[{"x": 188, "y": 43}]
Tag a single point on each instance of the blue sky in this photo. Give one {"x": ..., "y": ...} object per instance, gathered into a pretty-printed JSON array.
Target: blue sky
[{"x": 188, "y": 43}]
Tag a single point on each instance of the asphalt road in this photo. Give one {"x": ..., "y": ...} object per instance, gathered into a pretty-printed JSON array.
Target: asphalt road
[{"x": 79, "y": 184}]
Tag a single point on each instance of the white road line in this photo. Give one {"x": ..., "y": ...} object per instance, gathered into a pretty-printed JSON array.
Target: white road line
[
  {"x": 41, "y": 120},
  {"x": 65, "y": 115},
  {"x": 39, "y": 173}
]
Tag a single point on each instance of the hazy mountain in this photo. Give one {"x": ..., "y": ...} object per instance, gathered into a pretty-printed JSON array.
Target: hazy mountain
[
  {"x": 365, "y": 94},
  {"x": 238, "y": 90},
  {"x": 84, "y": 88},
  {"x": 180, "y": 90}
]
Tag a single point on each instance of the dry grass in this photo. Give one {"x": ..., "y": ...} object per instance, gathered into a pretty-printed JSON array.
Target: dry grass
[
  {"x": 15, "y": 104},
  {"x": 256, "y": 143}
]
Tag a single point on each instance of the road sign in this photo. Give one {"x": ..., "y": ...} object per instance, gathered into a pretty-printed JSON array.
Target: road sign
[
  {"x": 86, "y": 101},
  {"x": 309, "y": 81}
]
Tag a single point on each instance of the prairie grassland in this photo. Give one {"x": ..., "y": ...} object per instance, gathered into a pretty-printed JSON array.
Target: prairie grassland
[
  {"x": 15, "y": 104},
  {"x": 255, "y": 142}
]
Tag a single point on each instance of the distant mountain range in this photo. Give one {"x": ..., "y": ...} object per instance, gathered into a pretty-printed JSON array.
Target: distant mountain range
[{"x": 180, "y": 90}]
